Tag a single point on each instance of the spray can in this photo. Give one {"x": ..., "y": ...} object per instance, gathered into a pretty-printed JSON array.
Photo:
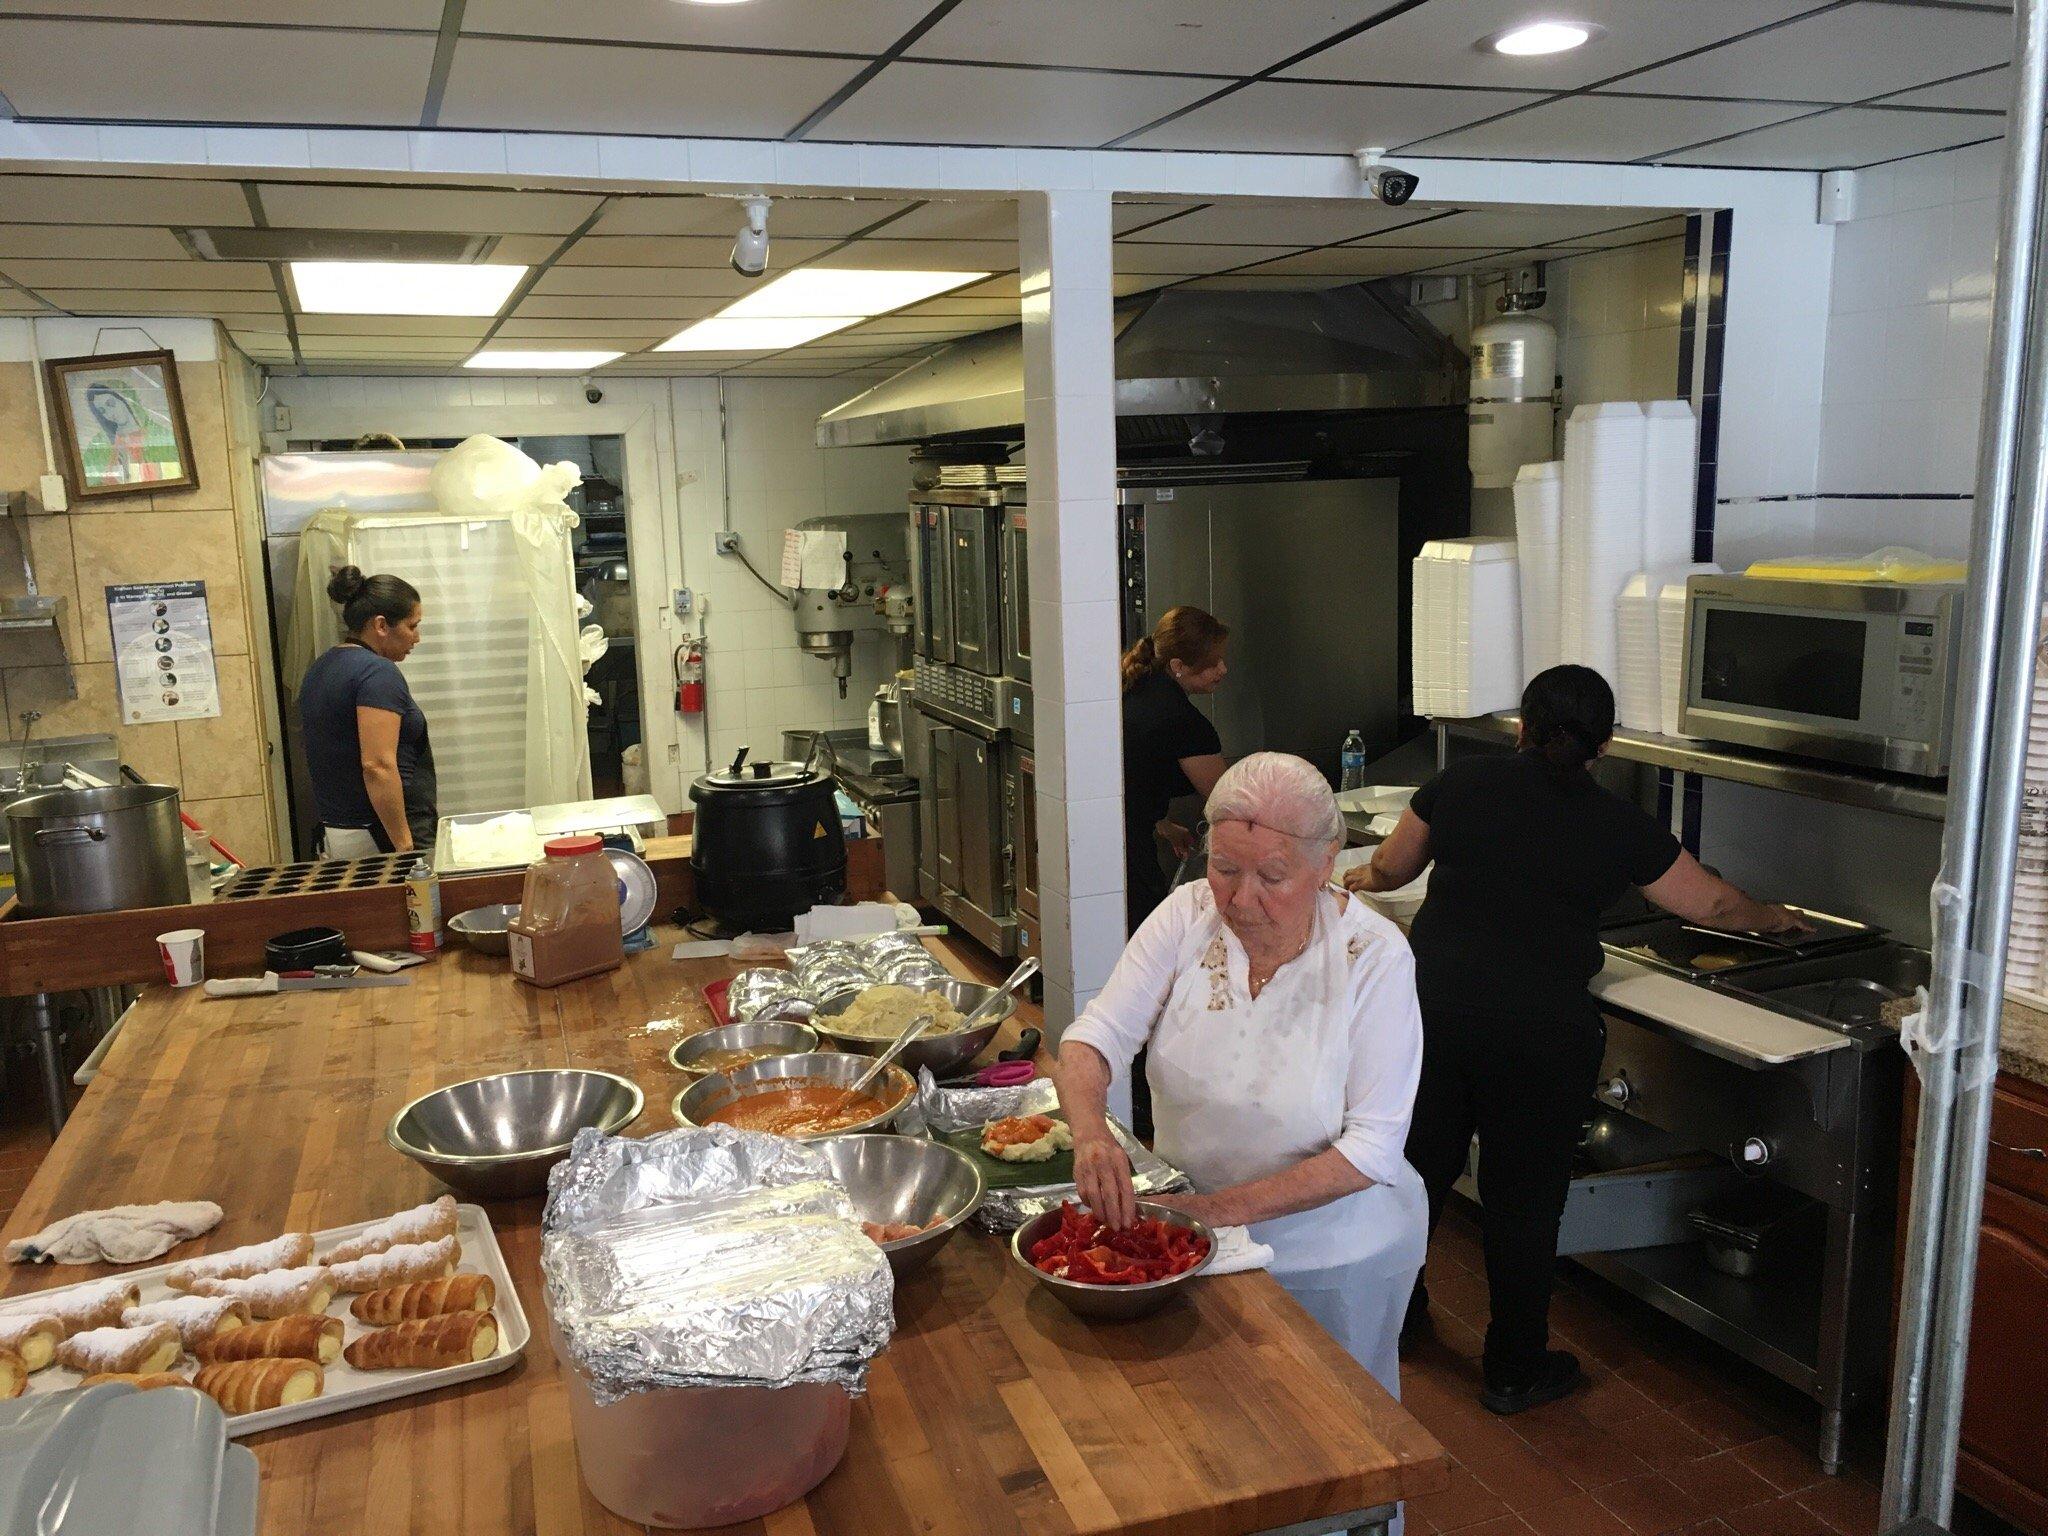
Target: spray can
[{"x": 423, "y": 909}]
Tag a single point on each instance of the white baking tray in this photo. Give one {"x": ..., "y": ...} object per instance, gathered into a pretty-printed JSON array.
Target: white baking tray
[{"x": 346, "y": 1388}]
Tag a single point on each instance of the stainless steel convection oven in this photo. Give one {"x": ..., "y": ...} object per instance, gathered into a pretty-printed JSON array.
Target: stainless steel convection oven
[{"x": 1280, "y": 459}]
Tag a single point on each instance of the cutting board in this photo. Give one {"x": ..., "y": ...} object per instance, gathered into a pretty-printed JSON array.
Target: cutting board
[{"x": 997, "y": 1174}]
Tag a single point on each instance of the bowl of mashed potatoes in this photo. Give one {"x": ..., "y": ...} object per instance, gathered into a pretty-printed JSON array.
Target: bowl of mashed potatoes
[{"x": 868, "y": 1019}]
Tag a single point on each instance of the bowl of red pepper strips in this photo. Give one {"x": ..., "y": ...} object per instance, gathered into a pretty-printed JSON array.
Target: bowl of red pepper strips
[{"x": 1113, "y": 1275}]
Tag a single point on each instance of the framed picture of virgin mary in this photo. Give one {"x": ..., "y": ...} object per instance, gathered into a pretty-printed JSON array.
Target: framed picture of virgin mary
[{"x": 121, "y": 423}]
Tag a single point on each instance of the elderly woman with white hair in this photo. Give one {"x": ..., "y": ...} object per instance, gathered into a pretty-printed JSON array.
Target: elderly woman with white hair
[{"x": 1284, "y": 1044}]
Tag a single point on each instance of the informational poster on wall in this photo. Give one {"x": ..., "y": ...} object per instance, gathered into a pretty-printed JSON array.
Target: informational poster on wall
[{"x": 163, "y": 652}]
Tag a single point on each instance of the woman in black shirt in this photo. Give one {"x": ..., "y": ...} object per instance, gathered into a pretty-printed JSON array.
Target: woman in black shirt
[
  {"x": 1528, "y": 852},
  {"x": 1170, "y": 747}
]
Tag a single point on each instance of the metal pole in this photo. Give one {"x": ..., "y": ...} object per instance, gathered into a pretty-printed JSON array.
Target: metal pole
[{"x": 1974, "y": 897}]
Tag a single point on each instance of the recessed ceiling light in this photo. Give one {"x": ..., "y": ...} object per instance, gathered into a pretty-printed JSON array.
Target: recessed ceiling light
[
  {"x": 1533, "y": 39},
  {"x": 810, "y": 302},
  {"x": 540, "y": 361},
  {"x": 403, "y": 287}
]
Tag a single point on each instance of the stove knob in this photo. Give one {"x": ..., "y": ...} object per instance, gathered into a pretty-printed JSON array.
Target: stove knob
[
  {"x": 1754, "y": 1154},
  {"x": 1618, "y": 1091}
]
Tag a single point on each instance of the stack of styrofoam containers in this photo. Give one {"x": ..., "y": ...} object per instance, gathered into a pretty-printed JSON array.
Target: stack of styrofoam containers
[
  {"x": 2026, "y": 948},
  {"x": 1671, "y": 462},
  {"x": 1602, "y": 544},
  {"x": 1539, "y": 530},
  {"x": 1671, "y": 620},
  {"x": 1638, "y": 700},
  {"x": 1467, "y": 642}
]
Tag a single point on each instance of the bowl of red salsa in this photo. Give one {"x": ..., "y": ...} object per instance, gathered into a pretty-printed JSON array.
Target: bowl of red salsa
[{"x": 1113, "y": 1275}]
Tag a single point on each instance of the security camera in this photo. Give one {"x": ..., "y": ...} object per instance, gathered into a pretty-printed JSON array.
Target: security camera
[
  {"x": 1392, "y": 187},
  {"x": 750, "y": 247},
  {"x": 592, "y": 393}
]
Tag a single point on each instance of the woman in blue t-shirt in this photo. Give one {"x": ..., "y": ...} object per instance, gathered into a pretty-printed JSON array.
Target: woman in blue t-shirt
[{"x": 367, "y": 750}]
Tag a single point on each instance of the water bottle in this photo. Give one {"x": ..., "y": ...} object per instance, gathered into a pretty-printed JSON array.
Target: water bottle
[{"x": 1352, "y": 762}]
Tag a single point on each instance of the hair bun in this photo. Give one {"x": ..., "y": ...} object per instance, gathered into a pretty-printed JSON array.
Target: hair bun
[{"x": 346, "y": 584}]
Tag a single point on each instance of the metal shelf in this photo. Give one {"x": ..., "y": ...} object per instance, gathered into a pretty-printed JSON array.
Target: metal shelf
[
  {"x": 1771, "y": 1320},
  {"x": 1841, "y": 786}
]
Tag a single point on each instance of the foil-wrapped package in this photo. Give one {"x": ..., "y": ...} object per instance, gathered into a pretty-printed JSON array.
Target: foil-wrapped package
[
  {"x": 755, "y": 994},
  {"x": 709, "y": 1257},
  {"x": 949, "y": 1110}
]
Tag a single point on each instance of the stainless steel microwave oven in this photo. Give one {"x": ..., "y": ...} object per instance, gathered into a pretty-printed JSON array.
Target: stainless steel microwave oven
[{"x": 1861, "y": 673}]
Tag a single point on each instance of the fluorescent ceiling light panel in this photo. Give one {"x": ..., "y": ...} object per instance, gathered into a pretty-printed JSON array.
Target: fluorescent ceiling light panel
[
  {"x": 853, "y": 292},
  {"x": 541, "y": 362},
  {"x": 1536, "y": 38},
  {"x": 403, "y": 287},
  {"x": 768, "y": 333}
]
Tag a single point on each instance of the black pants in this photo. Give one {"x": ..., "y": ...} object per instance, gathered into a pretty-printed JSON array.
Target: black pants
[{"x": 1524, "y": 1084}]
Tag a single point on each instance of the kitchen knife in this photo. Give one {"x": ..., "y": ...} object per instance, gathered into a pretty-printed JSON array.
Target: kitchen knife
[{"x": 271, "y": 982}]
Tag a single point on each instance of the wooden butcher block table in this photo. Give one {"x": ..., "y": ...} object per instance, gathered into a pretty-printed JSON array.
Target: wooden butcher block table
[{"x": 993, "y": 1410}]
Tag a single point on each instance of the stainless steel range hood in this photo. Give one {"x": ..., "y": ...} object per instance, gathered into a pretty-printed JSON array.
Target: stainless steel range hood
[{"x": 1181, "y": 353}]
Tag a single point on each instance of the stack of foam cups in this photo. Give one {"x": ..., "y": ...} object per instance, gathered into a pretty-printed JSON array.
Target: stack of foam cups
[
  {"x": 2026, "y": 954},
  {"x": 1539, "y": 528},
  {"x": 1602, "y": 543}
]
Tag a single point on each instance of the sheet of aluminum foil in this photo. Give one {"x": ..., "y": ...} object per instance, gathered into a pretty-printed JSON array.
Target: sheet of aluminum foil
[
  {"x": 757, "y": 994},
  {"x": 710, "y": 1257},
  {"x": 949, "y": 1110}
]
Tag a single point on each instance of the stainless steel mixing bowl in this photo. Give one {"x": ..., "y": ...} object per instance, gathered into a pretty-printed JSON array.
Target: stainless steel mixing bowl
[
  {"x": 821, "y": 1068},
  {"x": 1110, "y": 1303},
  {"x": 496, "y": 1137},
  {"x": 942, "y": 1055},
  {"x": 485, "y": 929},
  {"x": 906, "y": 1179},
  {"x": 781, "y": 1036}
]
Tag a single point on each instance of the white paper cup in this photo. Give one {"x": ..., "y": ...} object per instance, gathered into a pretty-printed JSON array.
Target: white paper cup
[{"x": 184, "y": 955}]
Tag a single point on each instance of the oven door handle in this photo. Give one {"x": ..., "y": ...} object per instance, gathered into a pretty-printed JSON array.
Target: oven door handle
[{"x": 2037, "y": 1154}]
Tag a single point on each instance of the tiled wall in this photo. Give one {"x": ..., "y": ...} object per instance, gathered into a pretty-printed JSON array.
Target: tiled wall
[
  {"x": 758, "y": 682},
  {"x": 1909, "y": 331},
  {"x": 219, "y": 764}
]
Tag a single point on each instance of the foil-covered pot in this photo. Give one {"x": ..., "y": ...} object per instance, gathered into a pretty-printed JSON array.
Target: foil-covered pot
[
  {"x": 947, "y": 1111},
  {"x": 709, "y": 1257}
]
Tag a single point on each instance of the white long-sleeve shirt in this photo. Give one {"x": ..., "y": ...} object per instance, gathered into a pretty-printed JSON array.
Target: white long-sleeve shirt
[{"x": 1328, "y": 1055}]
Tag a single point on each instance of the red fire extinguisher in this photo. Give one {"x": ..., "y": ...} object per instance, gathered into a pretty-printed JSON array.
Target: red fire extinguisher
[{"x": 688, "y": 663}]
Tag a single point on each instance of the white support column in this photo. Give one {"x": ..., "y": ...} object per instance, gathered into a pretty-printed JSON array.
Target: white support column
[{"x": 1070, "y": 446}]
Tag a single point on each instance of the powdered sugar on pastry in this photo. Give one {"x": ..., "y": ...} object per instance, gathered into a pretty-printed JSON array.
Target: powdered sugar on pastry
[
  {"x": 98, "y": 1305},
  {"x": 276, "y": 1293},
  {"x": 195, "y": 1317},
  {"x": 398, "y": 1266},
  {"x": 421, "y": 1224},
  {"x": 140, "y": 1350},
  {"x": 33, "y": 1336},
  {"x": 286, "y": 1251}
]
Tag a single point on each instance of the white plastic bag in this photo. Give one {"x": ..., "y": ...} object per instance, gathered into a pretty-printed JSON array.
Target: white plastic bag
[{"x": 486, "y": 474}]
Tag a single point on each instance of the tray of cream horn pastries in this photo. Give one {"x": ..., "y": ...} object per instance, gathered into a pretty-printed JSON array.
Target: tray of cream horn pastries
[{"x": 293, "y": 1328}]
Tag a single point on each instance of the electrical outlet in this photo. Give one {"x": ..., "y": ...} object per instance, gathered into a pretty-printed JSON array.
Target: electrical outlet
[
  {"x": 280, "y": 417},
  {"x": 725, "y": 542}
]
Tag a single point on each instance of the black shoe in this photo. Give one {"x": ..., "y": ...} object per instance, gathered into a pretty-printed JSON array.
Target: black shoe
[{"x": 1558, "y": 1375}]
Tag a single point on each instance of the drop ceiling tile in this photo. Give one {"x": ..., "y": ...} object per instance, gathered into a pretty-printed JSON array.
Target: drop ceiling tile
[
  {"x": 141, "y": 274},
  {"x": 1126, "y": 217},
  {"x": 654, "y": 309},
  {"x": 161, "y": 301},
  {"x": 1610, "y": 128},
  {"x": 527, "y": 250},
  {"x": 1268, "y": 222},
  {"x": 121, "y": 200},
  {"x": 419, "y": 326},
  {"x": 966, "y": 104},
  {"x": 586, "y": 88},
  {"x": 1988, "y": 90},
  {"x": 1135, "y": 256},
  {"x": 821, "y": 218},
  {"x": 102, "y": 240},
  {"x": 14, "y": 302},
  {"x": 836, "y": 26},
  {"x": 1844, "y": 54},
  {"x": 1438, "y": 43},
  {"x": 418, "y": 15},
  {"x": 957, "y": 221},
  {"x": 879, "y": 252},
  {"x": 1499, "y": 227},
  {"x": 304, "y": 205},
  {"x": 644, "y": 282},
  {"x": 908, "y": 324},
  {"x": 1360, "y": 261},
  {"x": 968, "y": 306},
  {"x": 1222, "y": 36},
  {"x": 680, "y": 251},
  {"x": 1276, "y": 115},
  {"x": 1844, "y": 139},
  {"x": 212, "y": 74},
  {"x": 597, "y": 333}
]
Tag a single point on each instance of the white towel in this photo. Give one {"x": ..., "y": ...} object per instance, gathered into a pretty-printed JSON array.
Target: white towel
[
  {"x": 121, "y": 1234},
  {"x": 1237, "y": 1252}
]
